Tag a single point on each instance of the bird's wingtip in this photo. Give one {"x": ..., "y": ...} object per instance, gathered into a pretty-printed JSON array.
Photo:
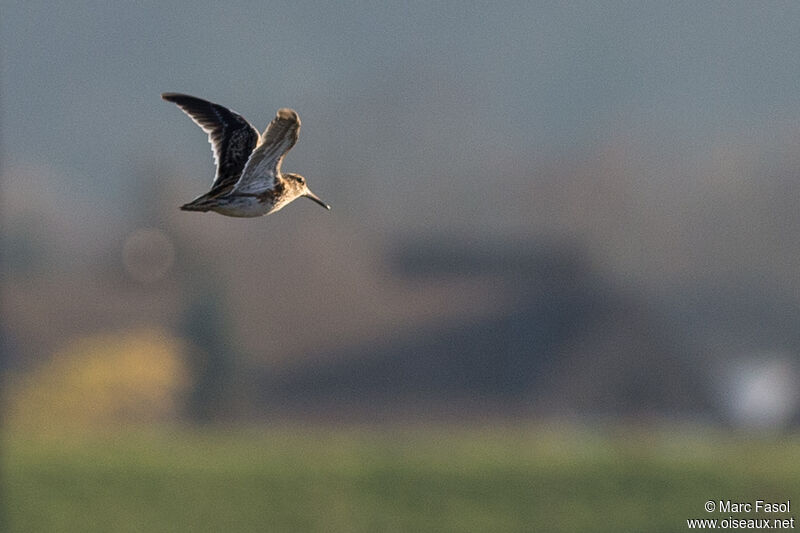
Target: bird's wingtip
[
  {"x": 170, "y": 97},
  {"x": 287, "y": 113}
]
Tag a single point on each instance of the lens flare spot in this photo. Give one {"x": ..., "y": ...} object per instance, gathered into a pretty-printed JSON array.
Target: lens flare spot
[{"x": 148, "y": 255}]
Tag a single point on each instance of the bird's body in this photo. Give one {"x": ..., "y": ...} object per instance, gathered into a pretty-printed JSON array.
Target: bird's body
[
  {"x": 249, "y": 182},
  {"x": 235, "y": 205},
  {"x": 232, "y": 203}
]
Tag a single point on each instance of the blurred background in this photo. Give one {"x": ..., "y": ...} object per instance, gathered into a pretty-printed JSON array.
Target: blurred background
[{"x": 564, "y": 241}]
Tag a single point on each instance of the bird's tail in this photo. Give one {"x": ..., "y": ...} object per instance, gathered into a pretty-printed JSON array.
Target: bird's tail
[{"x": 198, "y": 204}]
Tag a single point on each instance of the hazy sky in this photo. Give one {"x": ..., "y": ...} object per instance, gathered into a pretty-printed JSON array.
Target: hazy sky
[
  {"x": 661, "y": 137},
  {"x": 407, "y": 108}
]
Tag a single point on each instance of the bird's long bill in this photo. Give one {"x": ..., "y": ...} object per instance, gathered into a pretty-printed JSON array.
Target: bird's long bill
[{"x": 310, "y": 195}]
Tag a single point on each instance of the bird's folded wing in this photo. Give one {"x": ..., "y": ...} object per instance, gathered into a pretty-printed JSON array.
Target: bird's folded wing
[
  {"x": 232, "y": 138},
  {"x": 264, "y": 165}
]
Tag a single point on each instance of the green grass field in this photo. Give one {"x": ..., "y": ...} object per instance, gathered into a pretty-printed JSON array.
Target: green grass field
[{"x": 501, "y": 478}]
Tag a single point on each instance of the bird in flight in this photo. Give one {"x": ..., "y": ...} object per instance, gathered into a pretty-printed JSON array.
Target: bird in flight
[{"x": 249, "y": 181}]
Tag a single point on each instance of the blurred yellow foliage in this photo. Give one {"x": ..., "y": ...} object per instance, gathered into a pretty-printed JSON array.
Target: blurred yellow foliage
[{"x": 116, "y": 378}]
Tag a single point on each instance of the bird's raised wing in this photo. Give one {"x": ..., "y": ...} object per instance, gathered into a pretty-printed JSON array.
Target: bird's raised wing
[
  {"x": 264, "y": 165},
  {"x": 232, "y": 138}
]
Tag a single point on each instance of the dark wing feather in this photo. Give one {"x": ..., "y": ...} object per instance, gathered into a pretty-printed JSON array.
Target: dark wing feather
[
  {"x": 232, "y": 138},
  {"x": 264, "y": 165}
]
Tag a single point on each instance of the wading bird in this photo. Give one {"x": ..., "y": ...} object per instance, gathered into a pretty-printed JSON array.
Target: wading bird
[{"x": 249, "y": 182}]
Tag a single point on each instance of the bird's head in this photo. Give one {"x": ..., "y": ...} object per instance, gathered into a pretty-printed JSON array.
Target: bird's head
[{"x": 298, "y": 182}]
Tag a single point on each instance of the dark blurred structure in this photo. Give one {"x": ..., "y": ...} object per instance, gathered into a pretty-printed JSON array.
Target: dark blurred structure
[
  {"x": 571, "y": 344},
  {"x": 210, "y": 357}
]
